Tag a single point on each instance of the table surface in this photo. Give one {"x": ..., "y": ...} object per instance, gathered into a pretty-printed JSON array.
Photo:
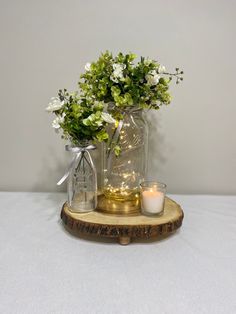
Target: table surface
[{"x": 44, "y": 269}]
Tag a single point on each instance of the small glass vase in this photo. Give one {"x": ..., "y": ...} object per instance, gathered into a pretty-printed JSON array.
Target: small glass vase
[
  {"x": 123, "y": 174},
  {"x": 82, "y": 183}
]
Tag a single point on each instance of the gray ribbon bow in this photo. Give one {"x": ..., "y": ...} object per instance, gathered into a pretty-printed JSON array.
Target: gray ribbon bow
[{"x": 77, "y": 150}]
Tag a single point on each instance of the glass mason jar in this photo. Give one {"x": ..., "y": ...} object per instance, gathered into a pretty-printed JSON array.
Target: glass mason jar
[
  {"x": 82, "y": 182},
  {"x": 123, "y": 174}
]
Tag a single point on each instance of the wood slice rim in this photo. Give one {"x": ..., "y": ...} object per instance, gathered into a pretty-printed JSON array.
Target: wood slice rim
[{"x": 124, "y": 228}]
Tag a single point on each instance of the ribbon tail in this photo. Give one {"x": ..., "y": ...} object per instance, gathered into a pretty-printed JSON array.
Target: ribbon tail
[
  {"x": 63, "y": 178},
  {"x": 69, "y": 169},
  {"x": 114, "y": 142},
  {"x": 91, "y": 161}
]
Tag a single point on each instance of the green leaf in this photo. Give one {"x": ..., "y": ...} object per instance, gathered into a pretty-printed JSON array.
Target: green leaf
[{"x": 117, "y": 150}]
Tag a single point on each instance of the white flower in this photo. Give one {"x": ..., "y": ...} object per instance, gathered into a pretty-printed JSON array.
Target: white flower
[
  {"x": 87, "y": 66},
  {"x": 118, "y": 72},
  {"x": 147, "y": 61},
  {"x": 161, "y": 69},
  {"x": 114, "y": 79},
  {"x": 155, "y": 103},
  {"x": 56, "y": 122},
  {"x": 118, "y": 67},
  {"x": 55, "y": 104},
  {"x": 107, "y": 117},
  {"x": 152, "y": 78}
]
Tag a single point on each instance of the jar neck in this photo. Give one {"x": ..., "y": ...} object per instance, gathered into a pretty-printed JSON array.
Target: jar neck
[
  {"x": 126, "y": 110},
  {"x": 132, "y": 110}
]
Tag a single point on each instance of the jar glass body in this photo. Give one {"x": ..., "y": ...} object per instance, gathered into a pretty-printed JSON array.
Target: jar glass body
[
  {"x": 82, "y": 184},
  {"x": 123, "y": 174}
]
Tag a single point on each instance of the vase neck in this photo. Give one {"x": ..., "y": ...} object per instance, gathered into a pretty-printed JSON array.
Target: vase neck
[{"x": 82, "y": 143}]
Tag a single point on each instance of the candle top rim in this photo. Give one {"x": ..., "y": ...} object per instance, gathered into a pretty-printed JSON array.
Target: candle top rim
[{"x": 150, "y": 184}]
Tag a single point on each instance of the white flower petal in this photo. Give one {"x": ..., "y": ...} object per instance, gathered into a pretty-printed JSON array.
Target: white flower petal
[
  {"x": 107, "y": 117},
  {"x": 55, "y": 105},
  {"x": 147, "y": 61},
  {"x": 113, "y": 79},
  {"x": 161, "y": 69},
  {"x": 118, "y": 71},
  {"x": 87, "y": 66},
  {"x": 152, "y": 78},
  {"x": 56, "y": 122}
]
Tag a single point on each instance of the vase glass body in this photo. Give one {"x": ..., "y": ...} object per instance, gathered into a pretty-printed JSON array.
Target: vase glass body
[
  {"x": 82, "y": 183},
  {"x": 122, "y": 174}
]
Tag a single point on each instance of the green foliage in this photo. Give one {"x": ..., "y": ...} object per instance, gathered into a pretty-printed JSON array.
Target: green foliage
[
  {"x": 117, "y": 150},
  {"x": 110, "y": 80},
  {"x": 82, "y": 121},
  {"x": 120, "y": 81}
]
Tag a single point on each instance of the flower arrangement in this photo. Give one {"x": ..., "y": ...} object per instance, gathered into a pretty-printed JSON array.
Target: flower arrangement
[
  {"x": 80, "y": 121},
  {"x": 85, "y": 115}
]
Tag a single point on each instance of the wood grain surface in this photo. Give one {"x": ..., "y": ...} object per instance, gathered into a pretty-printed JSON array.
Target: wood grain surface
[{"x": 124, "y": 228}]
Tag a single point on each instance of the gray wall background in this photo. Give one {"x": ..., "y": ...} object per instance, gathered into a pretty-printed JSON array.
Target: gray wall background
[{"x": 44, "y": 46}]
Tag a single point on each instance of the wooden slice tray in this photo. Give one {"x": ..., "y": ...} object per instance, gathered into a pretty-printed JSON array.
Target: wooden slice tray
[{"x": 124, "y": 228}]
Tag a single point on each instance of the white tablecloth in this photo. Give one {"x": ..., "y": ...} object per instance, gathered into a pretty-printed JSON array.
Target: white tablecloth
[{"x": 44, "y": 269}]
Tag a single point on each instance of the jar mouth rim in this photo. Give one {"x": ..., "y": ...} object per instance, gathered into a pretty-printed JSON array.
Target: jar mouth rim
[
  {"x": 127, "y": 109},
  {"x": 150, "y": 183}
]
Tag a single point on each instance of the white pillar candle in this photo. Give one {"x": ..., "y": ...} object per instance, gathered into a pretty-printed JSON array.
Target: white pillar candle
[{"x": 152, "y": 201}]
